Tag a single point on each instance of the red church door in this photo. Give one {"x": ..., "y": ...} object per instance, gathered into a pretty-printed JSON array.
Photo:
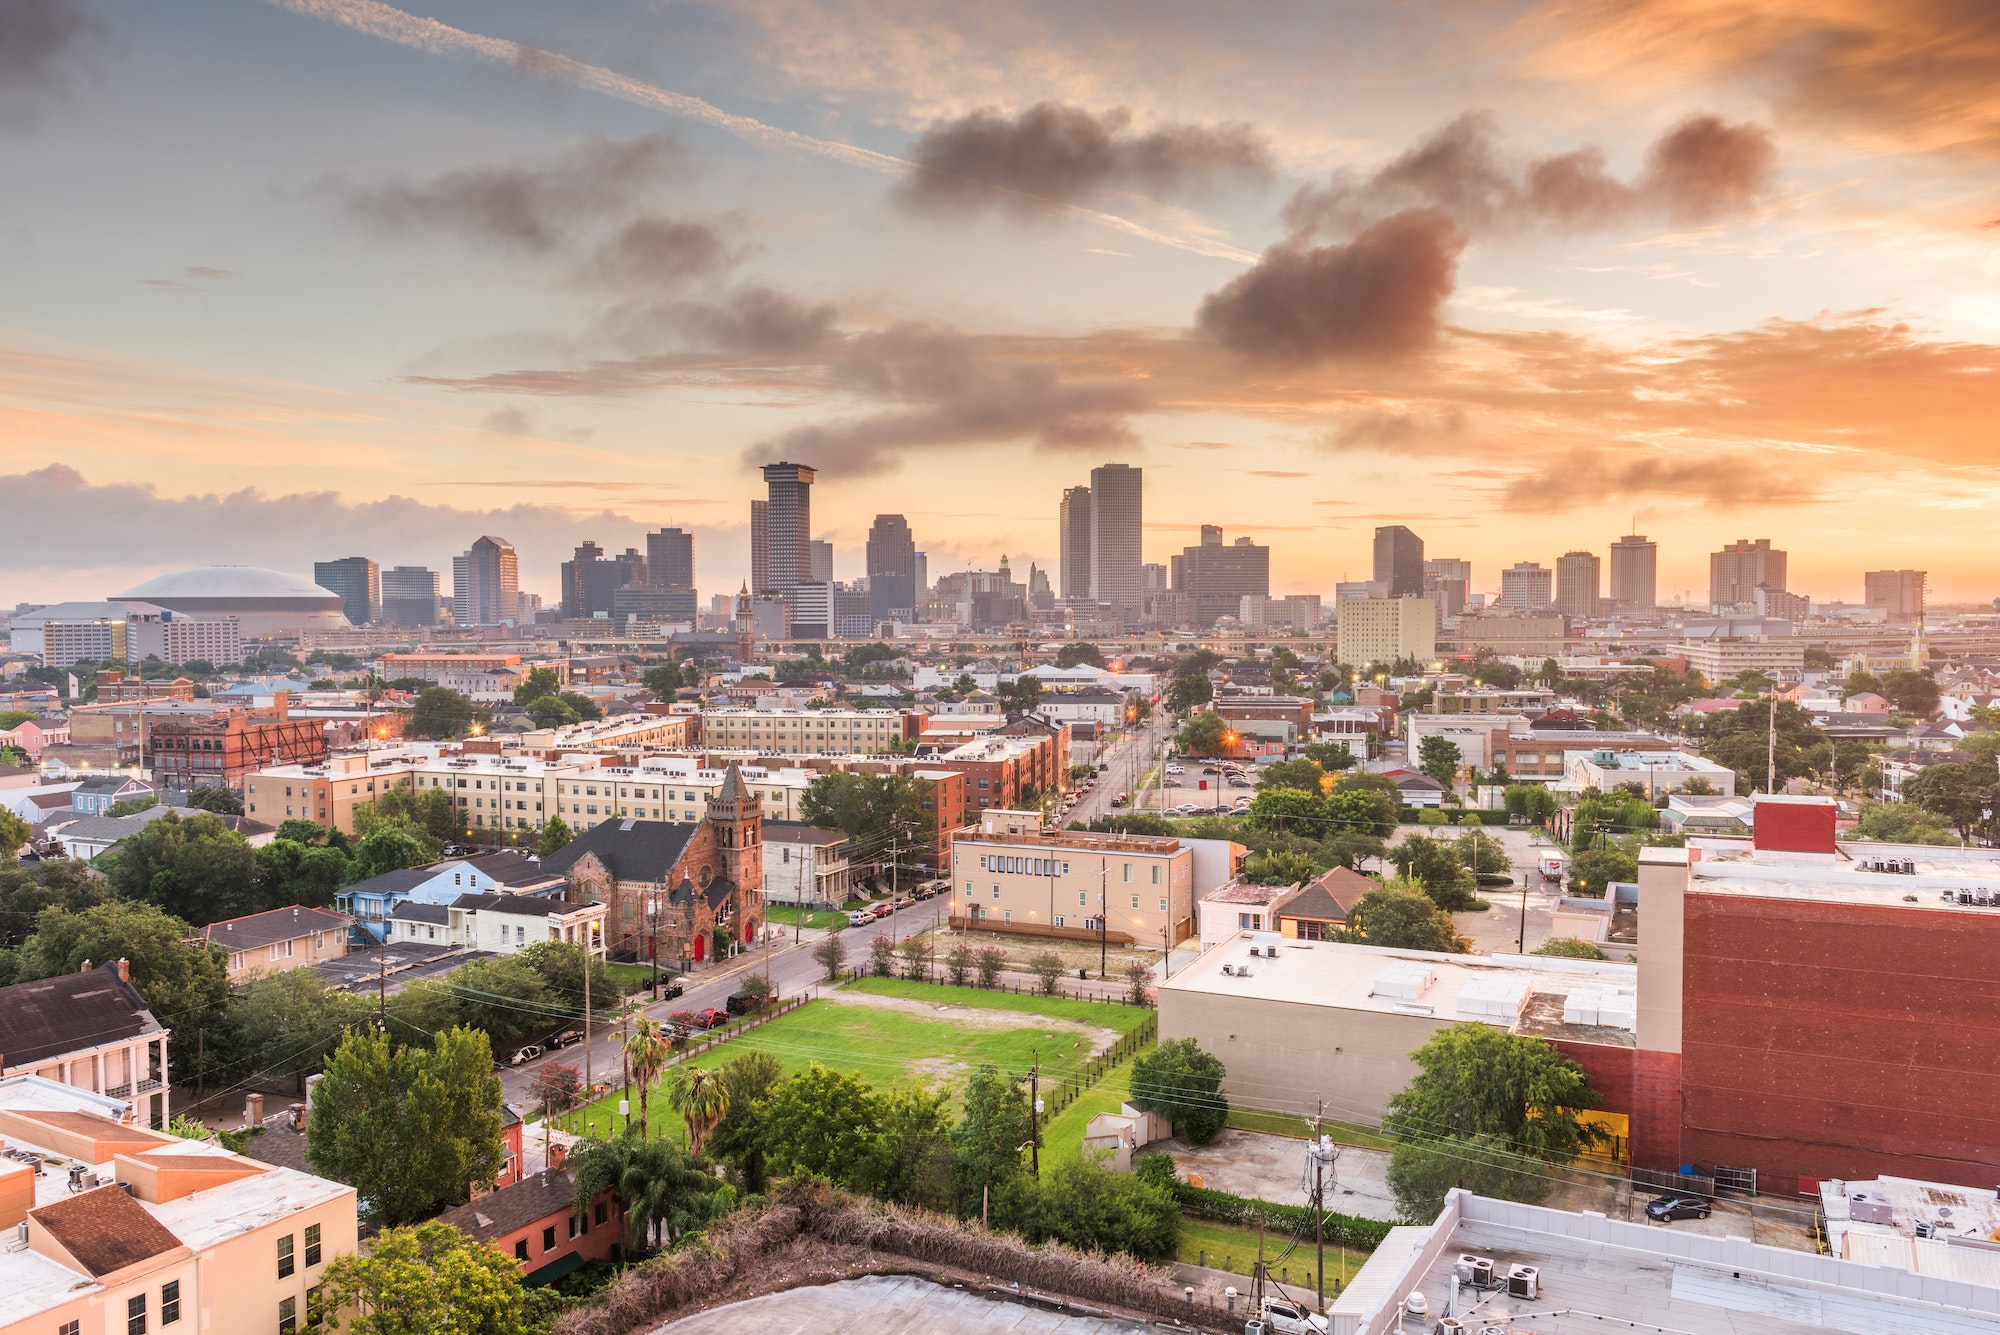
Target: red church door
[{"x": 700, "y": 947}]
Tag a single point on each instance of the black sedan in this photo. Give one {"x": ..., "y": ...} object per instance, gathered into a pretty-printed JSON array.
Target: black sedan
[{"x": 1669, "y": 1208}]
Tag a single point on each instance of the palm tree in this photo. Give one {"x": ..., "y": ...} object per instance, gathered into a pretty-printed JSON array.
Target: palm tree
[
  {"x": 700, "y": 1098},
  {"x": 646, "y": 1050},
  {"x": 663, "y": 1195}
]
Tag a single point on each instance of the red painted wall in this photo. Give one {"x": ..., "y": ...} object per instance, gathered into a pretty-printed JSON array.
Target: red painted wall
[
  {"x": 1795, "y": 827},
  {"x": 1841, "y": 1040}
]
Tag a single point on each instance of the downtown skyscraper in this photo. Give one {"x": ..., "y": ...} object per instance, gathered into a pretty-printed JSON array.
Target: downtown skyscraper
[
  {"x": 1117, "y": 526},
  {"x": 892, "y": 570},
  {"x": 788, "y": 526}
]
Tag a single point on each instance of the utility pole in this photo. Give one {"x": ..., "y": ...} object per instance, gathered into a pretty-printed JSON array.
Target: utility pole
[
  {"x": 382, "y": 980},
  {"x": 1103, "y": 908},
  {"x": 1771, "y": 755},
  {"x": 586, "y": 1008},
  {"x": 1035, "y": 1115},
  {"x": 1257, "y": 1282}
]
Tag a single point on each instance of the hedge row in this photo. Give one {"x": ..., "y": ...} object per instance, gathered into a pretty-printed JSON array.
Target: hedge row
[
  {"x": 1408, "y": 815},
  {"x": 1350, "y": 1231}
]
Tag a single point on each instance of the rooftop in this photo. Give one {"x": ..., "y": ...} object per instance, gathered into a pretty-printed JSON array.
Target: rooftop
[
  {"x": 1594, "y": 1274},
  {"x": 1585, "y": 1001},
  {"x": 1957, "y": 880},
  {"x": 72, "y": 1012},
  {"x": 263, "y": 929},
  {"x": 1927, "y": 1228}
]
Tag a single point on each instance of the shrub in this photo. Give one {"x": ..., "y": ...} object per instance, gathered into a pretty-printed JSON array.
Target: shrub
[
  {"x": 991, "y": 961},
  {"x": 882, "y": 957},
  {"x": 958, "y": 963},
  {"x": 1048, "y": 967},
  {"x": 1569, "y": 948}
]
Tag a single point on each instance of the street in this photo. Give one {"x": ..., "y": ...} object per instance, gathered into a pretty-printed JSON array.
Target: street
[{"x": 1123, "y": 761}]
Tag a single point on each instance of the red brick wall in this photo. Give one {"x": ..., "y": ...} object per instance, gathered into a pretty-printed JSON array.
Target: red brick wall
[
  {"x": 1840, "y": 1040},
  {"x": 1795, "y": 827},
  {"x": 1656, "y": 1110}
]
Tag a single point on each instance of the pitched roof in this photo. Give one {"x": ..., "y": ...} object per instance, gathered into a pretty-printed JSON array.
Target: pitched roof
[
  {"x": 1329, "y": 897},
  {"x": 390, "y": 882},
  {"x": 526, "y": 905},
  {"x": 263, "y": 929},
  {"x": 411, "y": 911},
  {"x": 631, "y": 850},
  {"x": 105, "y": 1229},
  {"x": 51, "y": 1016},
  {"x": 798, "y": 832},
  {"x": 526, "y": 1202},
  {"x": 510, "y": 868},
  {"x": 733, "y": 788},
  {"x": 110, "y": 829}
]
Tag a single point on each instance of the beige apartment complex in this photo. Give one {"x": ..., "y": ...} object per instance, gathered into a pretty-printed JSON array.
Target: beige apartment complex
[
  {"x": 132, "y": 1230},
  {"x": 1010, "y": 874},
  {"x": 670, "y": 788},
  {"x": 503, "y": 792},
  {"x": 1382, "y": 630},
  {"x": 809, "y": 730}
]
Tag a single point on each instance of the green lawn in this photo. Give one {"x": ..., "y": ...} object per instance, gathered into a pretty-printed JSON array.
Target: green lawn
[
  {"x": 889, "y": 1047},
  {"x": 791, "y": 913},
  {"x": 1284, "y": 1124},
  {"x": 632, "y": 977}
]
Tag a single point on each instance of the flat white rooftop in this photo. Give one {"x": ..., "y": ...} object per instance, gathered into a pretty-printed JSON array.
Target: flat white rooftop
[
  {"x": 1855, "y": 873},
  {"x": 1589, "y": 1001}
]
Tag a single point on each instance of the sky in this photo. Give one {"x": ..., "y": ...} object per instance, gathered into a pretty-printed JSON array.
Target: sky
[{"x": 289, "y": 280}]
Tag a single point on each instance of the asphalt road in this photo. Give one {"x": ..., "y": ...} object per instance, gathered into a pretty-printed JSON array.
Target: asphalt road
[{"x": 1123, "y": 761}]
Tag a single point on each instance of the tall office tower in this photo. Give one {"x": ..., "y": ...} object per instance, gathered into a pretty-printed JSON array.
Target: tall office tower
[
  {"x": 892, "y": 570},
  {"x": 631, "y": 565},
  {"x": 358, "y": 581},
  {"x": 670, "y": 559},
  {"x": 1399, "y": 561},
  {"x": 1117, "y": 525},
  {"x": 1153, "y": 577},
  {"x": 579, "y": 574},
  {"x": 1527, "y": 585},
  {"x": 1635, "y": 572},
  {"x": 790, "y": 524},
  {"x": 1041, "y": 594},
  {"x": 1577, "y": 584},
  {"x": 1447, "y": 581},
  {"x": 760, "y": 546},
  {"x": 1899, "y": 592},
  {"x": 409, "y": 596},
  {"x": 821, "y": 558},
  {"x": 1735, "y": 572},
  {"x": 1073, "y": 544},
  {"x": 486, "y": 583},
  {"x": 1218, "y": 578}
]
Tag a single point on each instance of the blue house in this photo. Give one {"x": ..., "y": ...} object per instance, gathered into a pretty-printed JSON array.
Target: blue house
[{"x": 373, "y": 902}]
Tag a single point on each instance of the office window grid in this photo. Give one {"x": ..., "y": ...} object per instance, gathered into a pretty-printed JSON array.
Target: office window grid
[
  {"x": 135, "y": 1314},
  {"x": 170, "y": 1302}
]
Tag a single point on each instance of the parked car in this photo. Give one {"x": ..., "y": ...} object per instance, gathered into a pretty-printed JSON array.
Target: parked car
[
  {"x": 527, "y": 1053},
  {"x": 1210, "y": 769},
  {"x": 1289, "y": 1318},
  {"x": 740, "y": 1003},
  {"x": 564, "y": 1039},
  {"x": 672, "y": 988},
  {"x": 860, "y": 918},
  {"x": 1669, "y": 1208},
  {"x": 1176, "y": 769},
  {"x": 1118, "y": 801},
  {"x": 712, "y": 1018},
  {"x": 1186, "y": 809}
]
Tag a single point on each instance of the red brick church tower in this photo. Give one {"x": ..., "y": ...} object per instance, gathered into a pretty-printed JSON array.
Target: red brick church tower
[{"x": 736, "y": 815}]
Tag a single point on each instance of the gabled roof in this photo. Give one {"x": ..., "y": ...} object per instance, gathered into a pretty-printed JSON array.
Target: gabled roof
[
  {"x": 527, "y": 906},
  {"x": 412, "y": 911},
  {"x": 268, "y": 928},
  {"x": 1422, "y": 781},
  {"x": 798, "y": 832},
  {"x": 510, "y": 868},
  {"x": 73, "y": 1011},
  {"x": 1329, "y": 897},
  {"x": 110, "y": 783},
  {"x": 529, "y": 1201},
  {"x": 105, "y": 1229},
  {"x": 631, "y": 850},
  {"x": 400, "y": 881},
  {"x": 110, "y": 829}
]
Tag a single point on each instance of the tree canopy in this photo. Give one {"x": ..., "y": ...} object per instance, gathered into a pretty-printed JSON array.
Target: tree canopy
[
  {"x": 1179, "y": 1081},
  {"x": 429, "y": 1280},
  {"x": 1400, "y": 916},
  {"x": 196, "y": 869}
]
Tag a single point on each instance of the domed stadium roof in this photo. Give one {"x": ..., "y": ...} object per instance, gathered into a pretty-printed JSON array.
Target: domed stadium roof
[{"x": 236, "y": 584}]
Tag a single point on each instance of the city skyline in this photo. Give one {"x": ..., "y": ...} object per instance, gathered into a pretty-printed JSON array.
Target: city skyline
[{"x": 725, "y": 244}]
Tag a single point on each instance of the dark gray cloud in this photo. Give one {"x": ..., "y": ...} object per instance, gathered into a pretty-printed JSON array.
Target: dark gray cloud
[
  {"x": 1378, "y": 296},
  {"x": 1588, "y": 476},
  {"x": 656, "y": 252},
  {"x": 1051, "y": 154},
  {"x": 750, "y": 320},
  {"x": 1703, "y": 169},
  {"x": 951, "y": 390},
  {"x": 531, "y": 208},
  {"x": 41, "y": 45}
]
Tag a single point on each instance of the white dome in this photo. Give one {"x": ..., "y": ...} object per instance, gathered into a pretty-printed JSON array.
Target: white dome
[{"x": 233, "y": 582}]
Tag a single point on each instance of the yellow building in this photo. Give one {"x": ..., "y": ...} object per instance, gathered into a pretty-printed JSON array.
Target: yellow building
[
  {"x": 1382, "y": 630},
  {"x": 1010, "y": 874},
  {"x": 816, "y": 731}
]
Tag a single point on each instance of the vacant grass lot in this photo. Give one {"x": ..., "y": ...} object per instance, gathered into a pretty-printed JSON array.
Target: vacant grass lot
[
  {"x": 1234, "y": 1248},
  {"x": 789, "y": 914},
  {"x": 907, "y": 1041}
]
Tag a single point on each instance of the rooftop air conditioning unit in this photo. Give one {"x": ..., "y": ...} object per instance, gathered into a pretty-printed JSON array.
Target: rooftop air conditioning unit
[
  {"x": 1482, "y": 1272},
  {"x": 1524, "y": 1281}
]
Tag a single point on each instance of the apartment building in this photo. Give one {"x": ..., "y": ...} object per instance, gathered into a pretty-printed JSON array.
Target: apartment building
[
  {"x": 1721, "y": 659},
  {"x": 280, "y": 939},
  {"x": 1383, "y": 630},
  {"x": 145, "y": 1231},
  {"x": 89, "y": 1030},
  {"x": 809, "y": 730},
  {"x": 670, "y": 788},
  {"x": 806, "y": 865},
  {"x": 507, "y": 793},
  {"x": 1009, "y": 874},
  {"x": 434, "y": 667}
]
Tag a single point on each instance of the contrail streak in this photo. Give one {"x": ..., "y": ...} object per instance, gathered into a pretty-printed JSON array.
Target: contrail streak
[{"x": 377, "y": 19}]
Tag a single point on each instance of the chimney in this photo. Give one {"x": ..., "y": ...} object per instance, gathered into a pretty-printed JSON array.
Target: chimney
[
  {"x": 557, "y": 1153},
  {"x": 253, "y": 1110},
  {"x": 85, "y": 968},
  {"x": 124, "y": 970},
  {"x": 298, "y": 1116}
]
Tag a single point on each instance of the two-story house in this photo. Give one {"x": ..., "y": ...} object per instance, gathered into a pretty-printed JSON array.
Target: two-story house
[
  {"x": 89, "y": 1029},
  {"x": 279, "y": 939}
]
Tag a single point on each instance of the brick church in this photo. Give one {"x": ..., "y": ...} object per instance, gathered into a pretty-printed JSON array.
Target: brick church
[{"x": 668, "y": 885}]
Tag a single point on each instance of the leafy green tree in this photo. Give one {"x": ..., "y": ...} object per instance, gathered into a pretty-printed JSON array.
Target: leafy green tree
[
  {"x": 540, "y": 682},
  {"x": 26, "y": 891},
  {"x": 1079, "y": 651},
  {"x": 131, "y": 808},
  {"x": 664, "y": 1193},
  {"x": 664, "y": 681},
  {"x": 1188, "y": 693},
  {"x": 299, "y": 831},
  {"x": 1304, "y": 775},
  {"x": 1280, "y": 867},
  {"x": 216, "y": 801},
  {"x": 441, "y": 713},
  {"x": 561, "y": 965},
  {"x": 307, "y": 875},
  {"x": 285, "y": 1024},
  {"x": 1912, "y": 693},
  {"x": 1477, "y": 1081},
  {"x": 407, "y": 1128},
  {"x": 549, "y": 711},
  {"x": 429, "y": 1280},
  {"x": 555, "y": 835},
  {"x": 428, "y": 814},
  {"x": 507, "y": 998},
  {"x": 1483, "y": 853},
  {"x": 1434, "y": 865},
  {"x": 1184, "y": 1084},
  {"x": 1959, "y": 793},
  {"x": 874, "y": 810},
  {"x": 1090, "y": 1208},
  {"x": 831, "y": 954},
  {"x": 911, "y": 1160},
  {"x": 1439, "y": 758},
  {"x": 582, "y": 706},
  {"x": 747, "y": 1080},
  {"x": 1604, "y": 861},
  {"x": 992, "y": 1133},
  {"x": 1422, "y": 1173},
  {"x": 1288, "y": 810},
  {"x": 389, "y": 848},
  {"x": 1530, "y": 801},
  {"x": 1400, "y": 916},
  {"x": 1020, "y": 695},
  {"x": 184, "y": 985},
  {"x": 1365, "y": 803},
  {"x": 1330, "y": 756},
  {"x": 1568, "y": 948},
  {"x": 823, "y": 1123},
  {"x": 1047, "y": 966},
  {"x": 196, "y": 869},
  {"x": 1904, "y": 823}
]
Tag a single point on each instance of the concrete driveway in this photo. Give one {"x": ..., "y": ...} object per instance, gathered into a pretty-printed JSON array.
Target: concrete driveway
[{"x": 1272, "y": 1168}]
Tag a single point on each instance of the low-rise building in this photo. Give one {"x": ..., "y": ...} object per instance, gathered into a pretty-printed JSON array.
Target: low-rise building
[
  {"x": 1323, "y": 906},
  {"x": 536, "y": 1221},
  {"x": 1239, "y": 907},
  {"x": 90, "y": 1030},
  {"x": 1010, "y": 874},
  {"x": 805, "y": 865},
  {"x": 146, "y": 1231},
  {"x": 1722, "y": 658},
  {"x": 1104, "y": 708},
  {"x": 1660, "y": 771},
  {"x": 279, "y": 939},
  {"x": 372, "y": 903}
]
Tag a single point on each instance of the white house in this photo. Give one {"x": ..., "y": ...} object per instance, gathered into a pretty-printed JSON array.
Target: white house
[
  {"x": 505, "y": 924},
  {"x": 1104, "y": 708},
  {"x": 804, "y": 864}
]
